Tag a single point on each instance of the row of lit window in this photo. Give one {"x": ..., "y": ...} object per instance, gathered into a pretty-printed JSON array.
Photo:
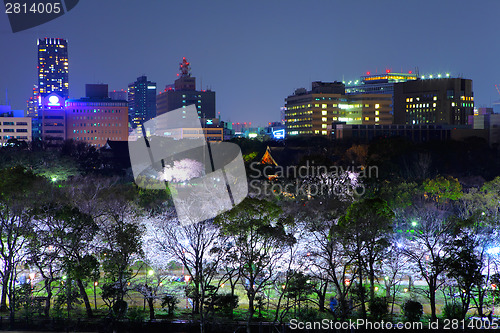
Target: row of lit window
[
  {"x": 95, "y": 131},
  {"x": 11, "y": 130},
  {"x": 465, "y": 98},
  {"x": 302, "y": 125},
  {"x": 299, "y": 113},
  {"x": 97, "y": 125},
  {"x": 417, "y": 99},
  {"x": 423, "y": 105},
  {"x": 95, "y": 138},
  {"x": 298, "y": 119}
]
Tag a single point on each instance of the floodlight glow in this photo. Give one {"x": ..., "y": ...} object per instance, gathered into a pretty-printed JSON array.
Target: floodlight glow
[{"x": 252, "y": 135}]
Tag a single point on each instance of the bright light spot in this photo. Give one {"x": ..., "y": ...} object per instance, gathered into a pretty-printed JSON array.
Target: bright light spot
[
  {"x": 414, "y": 223},
  {"x": 54, "y": 179},
  {"x": 493, "y": 250}
]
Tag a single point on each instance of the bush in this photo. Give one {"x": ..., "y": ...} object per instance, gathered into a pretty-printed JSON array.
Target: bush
[
  {"x": 136, "y": 314},
  {"x": 379, "y": 308},
  {"x": 169, "y": 301},
  {"x": 413, "y": 311},
  {"x": 225, "y": 303},
  {"x": 452, "y": 311}
]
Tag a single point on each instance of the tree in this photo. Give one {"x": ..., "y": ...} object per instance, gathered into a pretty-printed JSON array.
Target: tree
[
  {"x": 426, "y": 246},
  {"x": 20, "y": 191},
  {"x": 72, "y": 233},
  {"x": 366, "y": 227},
  {"x": 258, "y": 234},
  {"x": 197, "y": 246},
  {"x": 464, "y": 267}
]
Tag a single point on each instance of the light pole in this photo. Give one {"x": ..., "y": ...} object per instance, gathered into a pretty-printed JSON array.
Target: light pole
[
  {"x": 149, "y": 273},
  {"x": 95, "y": 297}
]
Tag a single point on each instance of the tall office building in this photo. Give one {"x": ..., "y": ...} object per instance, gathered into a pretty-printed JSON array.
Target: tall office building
[
  {"x": 53, "y": 67},
  {"x": 184, "y": 93},
  {"x": 141, "y": 101},
  {"x": 433, "y": 101},
  {"x": 313, "y": 112}
]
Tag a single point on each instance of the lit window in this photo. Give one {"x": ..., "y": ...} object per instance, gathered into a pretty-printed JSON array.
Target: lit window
[
  {"x": 323, "y": 126},
  {"x": 433, "y": 105},
  {"x": 324, "y": 113},
  {"x": 367, "y": 105},
  {"x": 377, "y": 118},
  {"x": 377, "y": 113},
  {"x": 323, "y": 106},
  {"x": 435, "y": 98},
  {"x": 316, "y": 132},
  {"x": 367, "y": 118},
  {"x": 324, "y": 132},
  {"x": 324, "y": 119},
  {"x": 377, "y": 106},
  {"x": 316, "y": 105}
]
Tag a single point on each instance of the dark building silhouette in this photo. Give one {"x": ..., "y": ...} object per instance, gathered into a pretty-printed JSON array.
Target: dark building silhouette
[
  {"x": 53, "y": 67},
  {"x": 141, "y": 101},
  {"x": 184, "y": 93},
  {"x": 433, "y": 101}
]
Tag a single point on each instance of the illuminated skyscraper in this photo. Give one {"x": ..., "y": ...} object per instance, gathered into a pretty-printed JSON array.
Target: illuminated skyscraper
[
  {"x": 53, "y": 67},
  {"x": 141, "y": 101}
]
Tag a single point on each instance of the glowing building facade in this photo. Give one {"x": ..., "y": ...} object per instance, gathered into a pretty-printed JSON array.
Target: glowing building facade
[{"x": 53, "y": 67}]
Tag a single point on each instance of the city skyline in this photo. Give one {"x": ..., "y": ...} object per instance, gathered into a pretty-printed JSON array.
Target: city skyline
[{"x": 255, "y": 54}]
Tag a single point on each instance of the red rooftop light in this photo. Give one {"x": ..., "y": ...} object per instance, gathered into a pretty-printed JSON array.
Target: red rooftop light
[
  {"x": 387, "y": 70},
  {"x": 367, "y": 73}
]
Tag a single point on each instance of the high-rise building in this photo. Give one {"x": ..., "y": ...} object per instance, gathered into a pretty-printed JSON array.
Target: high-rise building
[
  {"x": 53, "y": 67},
  {"x": 313, "y": 112},
  {"x": 433, "y": 101},
  {"x": 141, "y": 101},
  {"x": 96, "y": 118},
  {"x": 184, "y": 93},
  {"x": 33, "y": 103}
]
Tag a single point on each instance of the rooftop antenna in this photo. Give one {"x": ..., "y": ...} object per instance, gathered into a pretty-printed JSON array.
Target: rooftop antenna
[{"x": 184, "y": 68}]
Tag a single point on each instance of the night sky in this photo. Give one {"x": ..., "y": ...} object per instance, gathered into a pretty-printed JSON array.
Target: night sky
[{"x": 255, "y": 53}]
